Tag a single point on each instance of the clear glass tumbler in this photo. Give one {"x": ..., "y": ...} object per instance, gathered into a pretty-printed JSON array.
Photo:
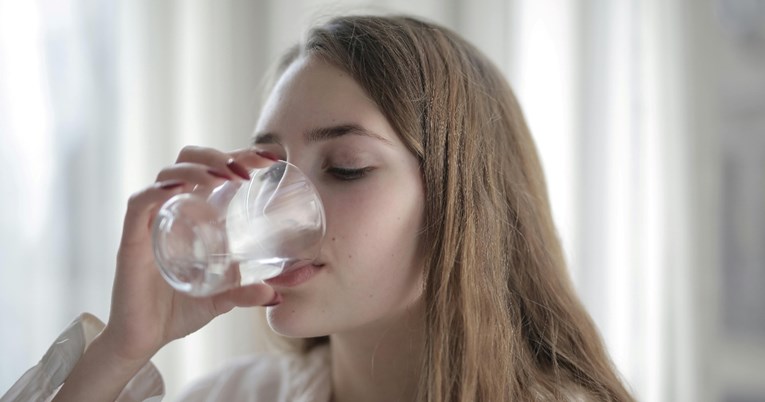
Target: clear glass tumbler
[{"x": 239, "y": 233}]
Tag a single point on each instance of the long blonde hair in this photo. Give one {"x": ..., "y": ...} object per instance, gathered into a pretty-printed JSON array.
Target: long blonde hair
[{"x": 502, "y": 319}]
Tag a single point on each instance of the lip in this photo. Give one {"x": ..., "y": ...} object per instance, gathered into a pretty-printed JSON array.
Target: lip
[{"x": 295, "y": 276}]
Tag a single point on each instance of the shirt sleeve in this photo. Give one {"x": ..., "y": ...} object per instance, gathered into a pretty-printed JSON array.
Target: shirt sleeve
[{"x": 41, "y": 382}]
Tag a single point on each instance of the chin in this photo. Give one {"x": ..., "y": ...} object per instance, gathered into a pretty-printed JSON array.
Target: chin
[{"x": 292, "y": 323}]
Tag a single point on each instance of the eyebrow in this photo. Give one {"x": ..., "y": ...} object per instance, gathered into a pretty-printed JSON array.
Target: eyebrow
[{"x": 322, "y": 134}]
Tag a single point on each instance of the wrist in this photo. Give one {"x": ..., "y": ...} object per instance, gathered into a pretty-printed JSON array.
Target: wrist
[
  {"x": 108, "y": 350},
  {"x": 100, "y": 374}
]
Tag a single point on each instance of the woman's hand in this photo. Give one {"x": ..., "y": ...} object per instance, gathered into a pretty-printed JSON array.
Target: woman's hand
[{"x": 146, "y": 313}]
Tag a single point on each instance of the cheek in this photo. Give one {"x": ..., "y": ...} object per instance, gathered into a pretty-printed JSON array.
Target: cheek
[{"x": 373, "y": 231}]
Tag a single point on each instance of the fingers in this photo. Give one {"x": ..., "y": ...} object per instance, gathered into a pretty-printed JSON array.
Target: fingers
[
  {"x": 196, "y": 166},
  {"x": 196, "y": 173},
  {"x": 143, "y": 205},
  {"x": 236, "y": 163},
  {"x": 252, "y": 158}
]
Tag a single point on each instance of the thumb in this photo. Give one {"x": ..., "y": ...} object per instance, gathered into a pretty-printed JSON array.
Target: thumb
[{"x": 246, "y": 296}]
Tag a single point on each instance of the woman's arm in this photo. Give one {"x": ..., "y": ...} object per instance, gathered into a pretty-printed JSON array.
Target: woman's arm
[
  {"x": 99, "y": 375},
  {"x": 146, "y": 313}
]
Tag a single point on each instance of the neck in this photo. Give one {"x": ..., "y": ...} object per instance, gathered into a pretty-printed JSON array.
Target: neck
[{"x": 381, "y": 362}]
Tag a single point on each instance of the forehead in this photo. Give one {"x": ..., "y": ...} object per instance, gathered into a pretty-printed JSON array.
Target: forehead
[
  {"x": 312, "y": 93},
  {"x": 312, "y": 85}
]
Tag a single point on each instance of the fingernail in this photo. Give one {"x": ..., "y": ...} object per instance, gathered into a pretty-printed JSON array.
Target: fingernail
[
  {"x": 238, "y": 169},
  {"x": 169, "y": 185},
  {"x": 220, "y": 175},
  {"x": 268, "y": 155},
  {"x": 275, "y": 301}
]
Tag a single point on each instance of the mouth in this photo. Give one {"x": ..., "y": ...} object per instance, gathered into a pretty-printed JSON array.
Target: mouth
[{"x": 295, "y": 274}]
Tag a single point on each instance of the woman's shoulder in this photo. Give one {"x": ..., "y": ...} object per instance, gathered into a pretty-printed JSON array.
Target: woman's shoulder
[{"x": 267, "y": 377}]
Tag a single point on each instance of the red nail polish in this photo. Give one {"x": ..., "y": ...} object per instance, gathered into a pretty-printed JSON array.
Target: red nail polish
[
  {"x": 268, "y": 155},
  {"x": 238, "y": 169},
  {"x": 220, "y": 175},
  {"x": 169, "y": 185}
]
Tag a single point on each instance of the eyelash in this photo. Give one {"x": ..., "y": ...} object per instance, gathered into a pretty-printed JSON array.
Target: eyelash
[{"x": 346, "y": 174}]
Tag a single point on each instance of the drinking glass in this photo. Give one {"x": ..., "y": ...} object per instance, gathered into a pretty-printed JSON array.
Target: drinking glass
[{"x": 241, "y": 232}]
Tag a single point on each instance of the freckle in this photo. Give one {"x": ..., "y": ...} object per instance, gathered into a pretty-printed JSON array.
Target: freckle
[
  {"x": 349, "y": 256},
  {"x": 333, "y": 239}
]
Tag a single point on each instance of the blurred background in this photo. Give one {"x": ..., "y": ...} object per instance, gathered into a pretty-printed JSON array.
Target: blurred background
[{"x": 649, "y": 116}]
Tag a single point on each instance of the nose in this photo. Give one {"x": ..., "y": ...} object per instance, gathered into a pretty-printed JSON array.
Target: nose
[
  {"x": 296, "y": 212},
  {"x": 302, "y": 162},
  {"x": 292, "y": 195},
  {"x": 305, "y": 162}
]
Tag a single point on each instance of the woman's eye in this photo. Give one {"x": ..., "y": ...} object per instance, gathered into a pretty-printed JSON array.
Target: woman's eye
[{"x": 348, "y": 174}]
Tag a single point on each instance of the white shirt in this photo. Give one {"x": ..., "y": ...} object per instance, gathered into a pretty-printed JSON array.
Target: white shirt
[{"x": 272, "y": 378}]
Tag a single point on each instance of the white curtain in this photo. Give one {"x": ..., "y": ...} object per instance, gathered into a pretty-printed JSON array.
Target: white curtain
[
  {"x": 96, "y": 97},
  {"x": 60, "y": 207}
]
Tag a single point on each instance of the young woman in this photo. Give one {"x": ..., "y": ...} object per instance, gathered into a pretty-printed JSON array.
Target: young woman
[{"x": 441, "y": 277}]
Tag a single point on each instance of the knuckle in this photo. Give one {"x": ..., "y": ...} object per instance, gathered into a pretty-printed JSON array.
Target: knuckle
[
  {"x": 188, "y": 151},
  {"x": 135, "y": 198},
  {"x": 163, "y": 173}
]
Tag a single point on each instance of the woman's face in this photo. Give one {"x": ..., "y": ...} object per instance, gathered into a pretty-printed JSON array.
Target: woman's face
[{"x": 369, "y": 271}]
